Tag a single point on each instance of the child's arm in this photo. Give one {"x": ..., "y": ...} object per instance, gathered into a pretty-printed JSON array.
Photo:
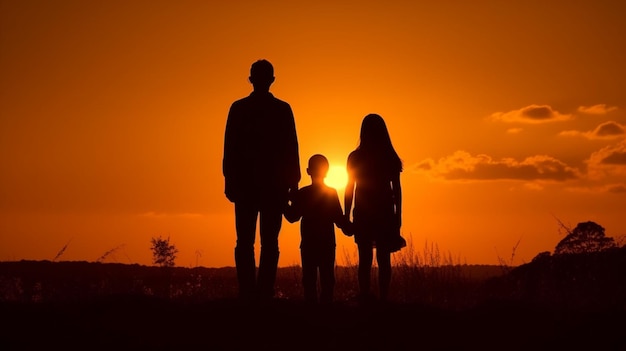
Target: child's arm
[{"x": 342, "y": 222}]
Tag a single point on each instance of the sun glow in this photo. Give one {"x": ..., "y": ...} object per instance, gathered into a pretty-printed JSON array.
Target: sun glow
[{"x": 337, "y": 177}]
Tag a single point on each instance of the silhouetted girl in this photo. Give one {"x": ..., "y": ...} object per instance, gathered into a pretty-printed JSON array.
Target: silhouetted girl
[{"x": 374, "y": 185}]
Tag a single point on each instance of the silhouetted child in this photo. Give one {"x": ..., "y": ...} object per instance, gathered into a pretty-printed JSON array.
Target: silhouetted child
[
  {"x": 374, "y": 186},
  {"x": 318, "y": 209}
]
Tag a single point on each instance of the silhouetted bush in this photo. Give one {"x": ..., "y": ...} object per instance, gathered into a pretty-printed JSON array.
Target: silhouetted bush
[{"x": 591, "y": 279}]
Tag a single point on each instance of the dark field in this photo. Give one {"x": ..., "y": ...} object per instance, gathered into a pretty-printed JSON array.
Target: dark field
[{"x": 573, "y": 301}]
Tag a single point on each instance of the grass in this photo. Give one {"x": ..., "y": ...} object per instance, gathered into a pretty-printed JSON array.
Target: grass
[
  {"x": 425, "y": 277},
  {"x": 438, "y": 303}
]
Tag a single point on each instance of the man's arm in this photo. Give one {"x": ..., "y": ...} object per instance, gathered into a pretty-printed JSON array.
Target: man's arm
[
  {"x": 293, "y": 153},
  {"x": 228, "y": 160}
]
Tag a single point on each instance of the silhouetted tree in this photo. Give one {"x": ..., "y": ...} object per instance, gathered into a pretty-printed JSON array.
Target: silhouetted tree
[
  {"x": 586, "y": 237},
  {"x": 163, "y": 253}
]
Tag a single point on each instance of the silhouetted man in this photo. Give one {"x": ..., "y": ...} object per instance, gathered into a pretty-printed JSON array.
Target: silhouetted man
[{"x": 261, "y": 167}]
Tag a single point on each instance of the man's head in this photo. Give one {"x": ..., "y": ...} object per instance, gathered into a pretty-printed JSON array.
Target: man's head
[
  {"x": 261, "y": 75},
  {"x": 318, "y": 167}
]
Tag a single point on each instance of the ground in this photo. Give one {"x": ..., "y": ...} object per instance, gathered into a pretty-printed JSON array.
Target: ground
[
  {"x": 555, "y": 303},
  {"x": 143, "y": 323}
]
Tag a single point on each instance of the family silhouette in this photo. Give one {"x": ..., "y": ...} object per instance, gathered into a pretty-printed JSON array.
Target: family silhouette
[{"x": 261, "y": 171}]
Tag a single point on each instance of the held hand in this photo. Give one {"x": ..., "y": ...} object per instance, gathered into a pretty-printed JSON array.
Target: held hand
[
  {"x": 348, "y": 228},
  {"x": 291, "y": 192},
  {"x": 287, "y": 206}
]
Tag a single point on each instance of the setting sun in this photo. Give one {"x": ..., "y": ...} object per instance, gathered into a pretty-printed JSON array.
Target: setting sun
[{"x": 337, "y": 177}]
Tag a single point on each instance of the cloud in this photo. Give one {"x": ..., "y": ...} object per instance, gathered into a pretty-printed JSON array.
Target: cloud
[
  {"x": 615, "y": 158},
  {"x": 613, "y": 155},
  {"x": 533, "y": 114},
  {"x": 608, "y": 161},
  {"x": 514, "y": 130},
  {"x": 618, "y": 189},
  {"x": 533, "y": 186},
  {"x": 425, "y": 165},
  {"x": 609, "y": 129},
  {"x": 600, "y": 109},
  {"x": 606, "y": 130},
  {"x": 463, "y": 166}
]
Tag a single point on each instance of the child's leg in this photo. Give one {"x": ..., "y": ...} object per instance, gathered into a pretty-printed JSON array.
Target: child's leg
[
  {"x": 309, "y": 275},
  {"x": 327, "y": 275}
]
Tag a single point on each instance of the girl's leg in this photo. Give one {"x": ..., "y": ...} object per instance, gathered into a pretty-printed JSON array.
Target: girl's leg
[
  {"x": 383, "y": 257},
  {"x": 366, "y": 257}
]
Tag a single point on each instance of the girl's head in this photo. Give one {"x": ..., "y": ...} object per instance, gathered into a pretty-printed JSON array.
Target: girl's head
[
  {"x": 375, "y": 138},
  {"x": 374, "y": 133}
]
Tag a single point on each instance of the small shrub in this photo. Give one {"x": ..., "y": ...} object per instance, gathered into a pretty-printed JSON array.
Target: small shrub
[{"x": 163, "y": 253}]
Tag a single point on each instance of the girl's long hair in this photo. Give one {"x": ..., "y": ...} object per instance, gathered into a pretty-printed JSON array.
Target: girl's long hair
[{"x": 376, "y": 142}]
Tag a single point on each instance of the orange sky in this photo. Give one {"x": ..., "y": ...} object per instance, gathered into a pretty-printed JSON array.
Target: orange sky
[{"x": 112, "y": 113}]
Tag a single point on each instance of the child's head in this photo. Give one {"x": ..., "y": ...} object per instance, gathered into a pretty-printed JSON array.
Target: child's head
[{"x": 318, "y": 167}]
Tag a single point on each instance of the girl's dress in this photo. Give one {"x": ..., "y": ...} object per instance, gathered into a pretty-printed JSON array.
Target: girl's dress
[{"x": 374, "y": 214}]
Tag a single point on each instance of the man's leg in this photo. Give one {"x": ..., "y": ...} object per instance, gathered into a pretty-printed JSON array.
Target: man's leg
[
  {"x": 245, "y": 224},
  {"x": 270, "y": 223}
]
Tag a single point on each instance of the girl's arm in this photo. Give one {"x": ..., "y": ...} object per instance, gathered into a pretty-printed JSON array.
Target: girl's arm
[
  {"x": 397, "y": 197},
  {"x": 339, "y": 219},
  {"x": 349, "y": 192}
]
